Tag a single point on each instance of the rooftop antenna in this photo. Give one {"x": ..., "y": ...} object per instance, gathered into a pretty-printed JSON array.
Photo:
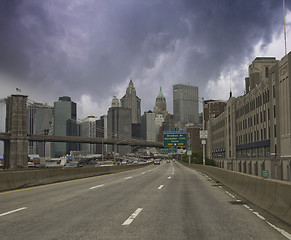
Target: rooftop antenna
[
  {"x": 284, "y": 27},
  {"x": 230, "y": 92}
]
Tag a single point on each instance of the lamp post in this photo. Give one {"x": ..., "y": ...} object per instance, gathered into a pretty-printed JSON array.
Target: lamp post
[{"x": 203, "y": 122}]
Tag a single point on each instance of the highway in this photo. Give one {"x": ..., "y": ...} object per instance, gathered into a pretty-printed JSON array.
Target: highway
[{"x": 167, "y": 201}]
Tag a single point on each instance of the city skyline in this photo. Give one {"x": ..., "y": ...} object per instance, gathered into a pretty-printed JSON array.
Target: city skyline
[{"x": 90, "y": 50}]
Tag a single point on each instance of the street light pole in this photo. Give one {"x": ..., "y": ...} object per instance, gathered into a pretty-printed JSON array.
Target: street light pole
[{"x": 203, "y": 130}]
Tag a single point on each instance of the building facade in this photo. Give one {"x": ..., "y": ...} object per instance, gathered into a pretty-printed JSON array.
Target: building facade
[
  {"x": 161, "y": 104},
  {"x": 185, "y": 104},
  {"x": 148, "y": 126},
  {"x": 132, "y": 101},
  {"x": 119, "y": 126},
  {"x": 65, "y": 124},
  {"x": 253, "y": 134},
  {"x": 39, "y": 122},
  {"x": 89, "y": 129}
]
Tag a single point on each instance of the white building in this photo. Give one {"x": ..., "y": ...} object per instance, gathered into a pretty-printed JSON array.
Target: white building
[{"x": 88, "y": 129}]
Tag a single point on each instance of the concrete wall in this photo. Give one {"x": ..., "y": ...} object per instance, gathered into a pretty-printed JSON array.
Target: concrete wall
[
  {"x": 31, "y": 177},
  {"x": 272, "y": 195}
]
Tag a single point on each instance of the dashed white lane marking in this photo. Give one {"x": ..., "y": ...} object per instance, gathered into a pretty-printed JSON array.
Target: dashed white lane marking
[
  {"x": 142, "y": 173},
  {"x": 230, "y": 194},
  {"x": 160, "y": 187},
  {"x": 132, "y": 217},
  {"x": 98, "y": 186},
  {"x": 128, "y": 177},
  {"x": 13, "y": 211},
  {"x": 284, "y": 233},
  {"x": 169, "y": 177}
]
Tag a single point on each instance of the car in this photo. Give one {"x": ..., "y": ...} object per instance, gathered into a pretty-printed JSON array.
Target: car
[
  {"x": 168, "y": 161},
  {"x": 107, "y": 164},
  {"x": 124, "y": 162},
  {"x": 156, "y": 162},
  {"x": 73, "y": 165},
  {"x": 135, "y": 162}
]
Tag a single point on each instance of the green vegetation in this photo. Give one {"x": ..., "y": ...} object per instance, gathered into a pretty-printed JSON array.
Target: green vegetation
[{"x": 197, "y": 158}]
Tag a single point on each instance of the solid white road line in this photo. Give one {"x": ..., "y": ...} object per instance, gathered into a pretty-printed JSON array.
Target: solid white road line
[
  {"x": 132, "y": 217},
  {"x": 13, "y": 211},
  {"x": 127, "y": 178},
  {"x": 98, "y": 186},
  {"x": 160, "y": 187}
]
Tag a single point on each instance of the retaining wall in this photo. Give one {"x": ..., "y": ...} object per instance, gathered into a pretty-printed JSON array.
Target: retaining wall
[
  {"x": 272, "y": 195},
  {"x": 32, "y": 177}
]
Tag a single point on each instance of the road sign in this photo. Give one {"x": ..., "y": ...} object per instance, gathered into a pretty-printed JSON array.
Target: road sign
[
  {"x": 203, "y": 134},
  {"x": 265, "y": 173},
  {"x": 203, "y": 141},
  {"x": 164, "y": 150},
  {"x": 175, "y": 138}
]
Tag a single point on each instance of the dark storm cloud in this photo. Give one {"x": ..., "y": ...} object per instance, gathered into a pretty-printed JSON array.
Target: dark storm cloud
[{"x": 91, "y": 46}]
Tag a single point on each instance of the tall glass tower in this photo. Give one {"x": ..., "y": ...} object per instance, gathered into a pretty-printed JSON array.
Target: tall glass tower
[{"x": 185, "y": 104}]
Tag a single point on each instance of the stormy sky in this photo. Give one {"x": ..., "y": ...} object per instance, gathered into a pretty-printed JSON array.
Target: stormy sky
[{"x": 90, "y": 49}]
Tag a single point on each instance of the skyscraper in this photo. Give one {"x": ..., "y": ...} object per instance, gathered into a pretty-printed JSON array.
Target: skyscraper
[
  {"x": 119, "y": 126},
  {"x": 185, "y": 104},
  {"x": 88, "y": 129},
  {"x": 161, "y": 104},
  {"x": 39, "y": 121},
  {"x": 132, "y": 101},
  {"x": 65, "y": 124}
]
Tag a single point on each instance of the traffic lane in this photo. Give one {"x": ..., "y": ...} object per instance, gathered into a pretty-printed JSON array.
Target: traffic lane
[
  {"x": 191, "y": 207},
  {"x": 94, "y": 213},
  {"x": 12, "y": 199}
]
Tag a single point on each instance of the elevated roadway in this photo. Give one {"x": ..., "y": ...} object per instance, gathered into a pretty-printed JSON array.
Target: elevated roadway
[{"x": 169, "y": 201}]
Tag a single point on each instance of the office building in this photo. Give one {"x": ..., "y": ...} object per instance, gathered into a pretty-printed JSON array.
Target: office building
[
  {"x": 132, "y": 101},
  {"x": 161, "y": 104},
  {"x": 101, "y": 132},
  {"x": 2, "y": 123},
  {"x": 39, "y": 122},
  {"x": 148, "y": 126},
  {"x": 253, "y": 134},
  {"x": 119, "y": 127},
  {"x": 65, "y": 124},
  {"x": 185, "y": 104},
  {"x": 89, "y": 129}
]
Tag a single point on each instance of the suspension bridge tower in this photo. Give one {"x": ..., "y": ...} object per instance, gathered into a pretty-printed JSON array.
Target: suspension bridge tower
[{"x": 16, "y": 148}]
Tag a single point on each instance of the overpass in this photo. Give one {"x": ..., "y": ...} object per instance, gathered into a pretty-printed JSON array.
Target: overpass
[{"x": 16, "y": 138}]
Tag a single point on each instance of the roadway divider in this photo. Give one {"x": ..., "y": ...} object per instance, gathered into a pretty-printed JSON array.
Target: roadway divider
[
  {"x": 16, "y": 179},
  {"x": 272, "y": 195}
]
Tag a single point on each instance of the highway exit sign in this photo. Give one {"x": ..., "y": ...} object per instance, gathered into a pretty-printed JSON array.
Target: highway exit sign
[{"x": 175, "y": 138}]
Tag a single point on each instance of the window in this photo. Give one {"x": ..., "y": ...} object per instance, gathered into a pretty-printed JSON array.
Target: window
[
  {"x": 274, "y": 91},
  {"x": 275, "y": 132},
  {"x": 267, "y": 72},
  {"x": 274, "y": 111}
]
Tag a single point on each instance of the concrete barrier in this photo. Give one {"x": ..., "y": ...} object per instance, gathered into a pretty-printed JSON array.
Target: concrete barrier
[
  {"x": 272, "y": 195},
  {"x": 10, "y": 179}
]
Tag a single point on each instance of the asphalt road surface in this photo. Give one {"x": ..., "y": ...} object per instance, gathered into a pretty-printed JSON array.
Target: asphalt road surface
[{"x": 167, "y": 201}]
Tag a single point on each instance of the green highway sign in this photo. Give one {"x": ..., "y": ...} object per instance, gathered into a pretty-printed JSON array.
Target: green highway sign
[
  {"x": 175, "y": 138},
  {"x": 164, "y": 150},
  {"x": 265, "y": 173}
]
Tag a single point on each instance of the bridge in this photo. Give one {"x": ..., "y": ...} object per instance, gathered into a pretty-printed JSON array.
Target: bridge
[{"x": 16, "y": 137}]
